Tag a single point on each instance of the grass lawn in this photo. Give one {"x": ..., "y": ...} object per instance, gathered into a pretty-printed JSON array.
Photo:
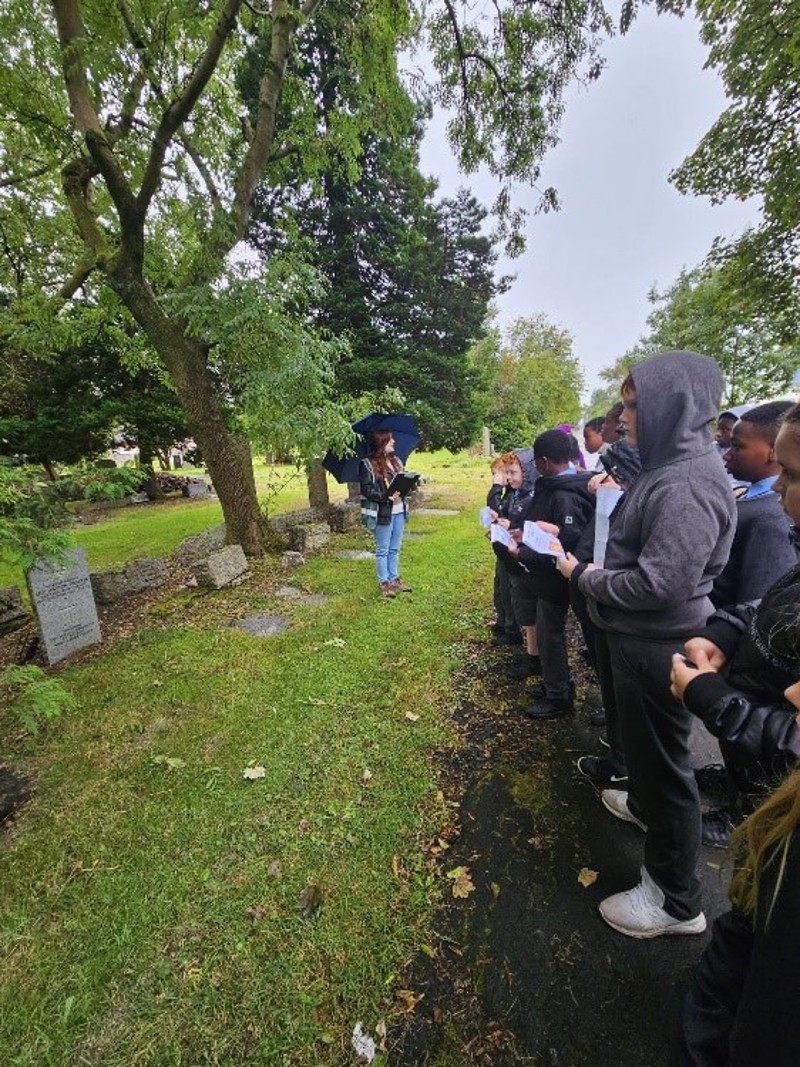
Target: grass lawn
[{"x": 151, "y": 894}]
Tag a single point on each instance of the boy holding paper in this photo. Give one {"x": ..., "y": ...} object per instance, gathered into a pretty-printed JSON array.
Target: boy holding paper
[{"x": 561, "y": 507}]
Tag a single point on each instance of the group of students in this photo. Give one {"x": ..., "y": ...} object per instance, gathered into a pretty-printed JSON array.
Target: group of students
[{"x": 689, "y": 604}]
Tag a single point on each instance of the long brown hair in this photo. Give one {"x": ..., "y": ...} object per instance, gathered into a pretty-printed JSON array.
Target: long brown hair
[
  {"x": 763, "y": 840},
  {"x": 382, "y": 463}
]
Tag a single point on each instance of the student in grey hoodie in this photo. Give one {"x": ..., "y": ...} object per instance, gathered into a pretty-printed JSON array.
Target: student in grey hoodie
[{"x": 669, "y": 539}]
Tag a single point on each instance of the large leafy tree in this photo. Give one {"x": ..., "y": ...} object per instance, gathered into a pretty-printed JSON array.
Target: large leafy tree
[
  {"x": 129, "y": 117},
  {"x": 706, "y": 310},
  {"x": 536, "y": 380}
]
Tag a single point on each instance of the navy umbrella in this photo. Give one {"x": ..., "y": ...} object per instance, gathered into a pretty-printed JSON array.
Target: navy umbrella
[{"x": 402, "y": 427}]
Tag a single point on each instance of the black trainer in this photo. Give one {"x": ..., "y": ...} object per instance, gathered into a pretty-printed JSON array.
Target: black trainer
[
  {"x": 549, "y": 709},
  {"x": 524, "y": 667},
  {"x": 539, "y": 691},
  {"x": 717, "y": 827},
  {"x": 504, "y": 638},
  {"x": 712, "y": 779},
  {"x": 602, "y": 772}
]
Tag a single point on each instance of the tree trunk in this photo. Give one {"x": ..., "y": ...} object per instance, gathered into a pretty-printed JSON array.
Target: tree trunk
[
  {"x": 50, "y": 470},
  {"x": 353, "y": 492},
  {"x": 226, "y": 454},
  {"x": 150, "y": 485},
  {"x": 317, "y": 485}
]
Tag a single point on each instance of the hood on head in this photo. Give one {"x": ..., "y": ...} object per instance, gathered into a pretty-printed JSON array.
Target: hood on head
[
  {"x": 677, "y": 397},
  {"x": 529, "y": 471}
]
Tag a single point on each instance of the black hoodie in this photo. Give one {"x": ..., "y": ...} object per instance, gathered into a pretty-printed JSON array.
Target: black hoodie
[
  {"x": 564, "y": 500},
  {"x": 671, "y": 534}
]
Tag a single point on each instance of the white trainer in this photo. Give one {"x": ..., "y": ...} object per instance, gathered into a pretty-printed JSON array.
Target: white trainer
[
  {"x": 616, "y": 801},
  {"x": 639, "y": 912}
]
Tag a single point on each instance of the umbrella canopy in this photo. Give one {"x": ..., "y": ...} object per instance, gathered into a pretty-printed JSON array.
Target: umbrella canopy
[{"x": 402, "y": 427}]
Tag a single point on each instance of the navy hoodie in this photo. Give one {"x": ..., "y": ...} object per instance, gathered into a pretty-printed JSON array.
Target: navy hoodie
[{"x": 671, "y": 534}]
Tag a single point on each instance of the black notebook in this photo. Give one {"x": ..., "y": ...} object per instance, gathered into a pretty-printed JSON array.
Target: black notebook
[{"x": 402, "y": 483}]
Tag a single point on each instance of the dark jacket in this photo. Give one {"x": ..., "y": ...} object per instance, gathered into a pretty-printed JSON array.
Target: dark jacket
[
  {"x": 565, "y": 501},
  {"x": 671, "y": 533},
  {"x": 744, "y": 705},
  {"x": 514, "y": 501},
  {"x": 762, "y": 551},
  {"x": 374, "y": 489},
  {"x": 741, "y": 1010}
]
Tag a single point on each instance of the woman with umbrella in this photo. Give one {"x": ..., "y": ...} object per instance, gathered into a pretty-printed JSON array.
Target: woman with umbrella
[{"x": 384, "y": 512}]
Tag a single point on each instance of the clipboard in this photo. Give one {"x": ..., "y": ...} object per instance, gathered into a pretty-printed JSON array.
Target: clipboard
[{"x": 403, "y": 482}]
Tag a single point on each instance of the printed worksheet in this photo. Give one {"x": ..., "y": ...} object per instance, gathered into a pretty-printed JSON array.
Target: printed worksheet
[
  {"x": 538, "y": 540},
  {"x": 501, "y": 534}
]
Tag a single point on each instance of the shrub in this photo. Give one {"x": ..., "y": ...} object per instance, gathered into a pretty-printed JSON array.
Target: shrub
[{"x": 34, "y": 698}]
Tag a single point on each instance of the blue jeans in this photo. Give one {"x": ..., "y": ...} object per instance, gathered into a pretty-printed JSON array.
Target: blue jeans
[{"x": 387, "y": 547}]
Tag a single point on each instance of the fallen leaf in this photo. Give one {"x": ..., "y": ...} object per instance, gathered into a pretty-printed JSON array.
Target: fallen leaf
[
  {"x": 462, "y": 883},
  {"x": 274, "y": 869},
  {"x": 257, "y": 911},
  {"x": 173, "y": 762},
  {"x": 157, "y": 682},
  {"x": 397, "y": 867},
  {"x": 408, "y": 1000},
  {"x": 411, "y": 716},
  {"x": 303, "y": 826},
  {"x": 336, "y": 642},
  {"x": 587, "y": 877},
  {"x": 495, "y": 888},
  {"x": 428, "y": 950},
  {"x": 366, "y": 777},
  {"x": 380, "y": 1033},
  {"x": 310, "y": 901},
  {"x": 252, "y": 773}
]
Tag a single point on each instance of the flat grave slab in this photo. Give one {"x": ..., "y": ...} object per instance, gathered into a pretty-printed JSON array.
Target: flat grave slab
[{"x": 261, "y": 625}]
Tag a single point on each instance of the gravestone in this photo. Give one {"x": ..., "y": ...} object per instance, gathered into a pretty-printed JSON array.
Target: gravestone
[
  {"x": 62, "y": 596},
  {"x": 200, "y": 546},
  {"x": 344, "y": 517},
  {"x": 196, "y": 487},
  {"x": 292, "y": 559},
  {"x": 310, "y": 536},
  {"x": 221, "y": 568},
  {"x": 114, "y": 583},
  {"x": 262, "y": 625}
]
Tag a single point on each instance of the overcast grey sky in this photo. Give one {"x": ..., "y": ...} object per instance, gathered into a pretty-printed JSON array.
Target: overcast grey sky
[{"x": 622, "y": 227}]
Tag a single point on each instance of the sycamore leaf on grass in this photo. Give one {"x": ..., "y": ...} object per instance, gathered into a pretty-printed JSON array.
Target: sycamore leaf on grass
[
  {"x": 251, "y": 773},
  {"x": 587, "y": 877},
  {"x": 412, "y": 717},
  {"x": 173, "y": 762},
  {"x": 462, "y": 883},
  {"x": 310, "y": 901}
]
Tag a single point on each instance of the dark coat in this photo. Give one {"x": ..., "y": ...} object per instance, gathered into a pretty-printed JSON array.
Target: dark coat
[
  {"x": 374, "y": 489},
  {"x": 741, "y": 1009},
  {"x": 564, "y": 500}
]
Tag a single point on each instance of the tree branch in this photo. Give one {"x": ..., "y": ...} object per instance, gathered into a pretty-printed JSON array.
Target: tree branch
[
  {"x": 76, "y": 280},
  {"x": 20, "y": 179},
  {"x": 177, "y": 112},
  {"x": 72, "y": 36}
]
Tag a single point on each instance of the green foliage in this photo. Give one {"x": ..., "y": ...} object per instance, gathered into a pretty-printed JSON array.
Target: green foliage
[
  {"x": 753, "y": 149},
  {"x": 708, "y": 310},
  {"x": 534, "y": 376},
  {"x": 105, "y": 483},
  {"x": 34, "y": 698},
  {"x": 31, "y": 514},
  {"x": 509, "y": 431}
]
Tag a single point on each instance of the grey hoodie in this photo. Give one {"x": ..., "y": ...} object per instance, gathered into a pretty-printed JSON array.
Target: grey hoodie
[{"x": 671, "y": 534}]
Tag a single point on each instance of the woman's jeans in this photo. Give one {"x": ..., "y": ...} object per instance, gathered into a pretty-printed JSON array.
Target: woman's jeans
[{"x": 387, "y": 548}]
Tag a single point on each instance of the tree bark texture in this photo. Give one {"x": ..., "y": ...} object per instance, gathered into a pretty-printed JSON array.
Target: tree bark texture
[{"x": 317, "y": 485}]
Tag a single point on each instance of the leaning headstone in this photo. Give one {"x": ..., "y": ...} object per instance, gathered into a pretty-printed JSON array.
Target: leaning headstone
[
  {"x": 292, "y": 559},
  {"x": 135, "y": 577},
  {"x": 12, "y": 613},
  {"x": 138, "y": 498},
  {"x": 310, "y": 536},
  {"x": 62, "y": 596},
  {"x": 200, "y": 546},
  {"x": 221, "y": 568}
]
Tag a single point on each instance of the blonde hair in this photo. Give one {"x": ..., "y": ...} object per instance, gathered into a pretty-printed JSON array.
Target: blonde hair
[{"x": 762, "y": 840}]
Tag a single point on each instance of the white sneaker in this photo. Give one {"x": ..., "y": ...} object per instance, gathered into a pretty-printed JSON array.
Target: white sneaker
[
  {"x": 639, "y": 912},
  {"x": 616, "y": 801}
]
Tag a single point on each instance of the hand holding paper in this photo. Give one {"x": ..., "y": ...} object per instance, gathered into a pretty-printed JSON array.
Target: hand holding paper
[{"x": 539, "y": 540}]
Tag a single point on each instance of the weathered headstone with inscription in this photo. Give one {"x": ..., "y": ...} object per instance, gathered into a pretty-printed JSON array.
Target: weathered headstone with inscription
[{"x": 64, "y": 602}]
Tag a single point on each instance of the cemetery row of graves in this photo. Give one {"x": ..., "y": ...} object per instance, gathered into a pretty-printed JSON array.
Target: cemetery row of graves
[{"x": 223, "y": 856}]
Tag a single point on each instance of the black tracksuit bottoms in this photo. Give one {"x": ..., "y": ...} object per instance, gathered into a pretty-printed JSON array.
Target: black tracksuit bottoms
[{"x": 655, "y": 730}]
